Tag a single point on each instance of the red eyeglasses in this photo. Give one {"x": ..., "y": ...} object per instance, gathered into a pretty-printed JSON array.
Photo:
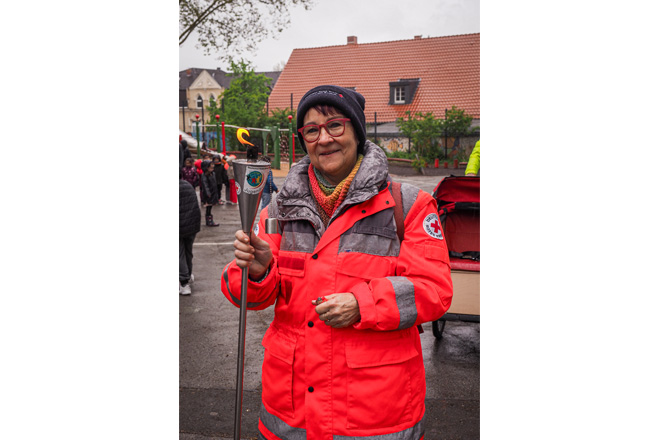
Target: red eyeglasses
[{"x": 334, "y": 127}]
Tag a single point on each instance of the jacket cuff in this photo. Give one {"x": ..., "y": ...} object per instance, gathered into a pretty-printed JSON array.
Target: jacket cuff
[
  {"x": 263, "y": 277},
  {"x": 367, "y": 306}
]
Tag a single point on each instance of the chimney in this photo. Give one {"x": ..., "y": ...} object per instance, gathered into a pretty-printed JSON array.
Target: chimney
[
  {"x": 418, "y": 37},
  {"x": 352, "y": 40}
]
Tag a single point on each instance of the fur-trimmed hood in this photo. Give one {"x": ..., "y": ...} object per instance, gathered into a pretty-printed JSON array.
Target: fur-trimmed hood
[{"x": 295, "y": 200}]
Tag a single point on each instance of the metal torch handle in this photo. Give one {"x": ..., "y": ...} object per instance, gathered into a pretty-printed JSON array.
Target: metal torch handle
[{"x": 241, "y": 356}]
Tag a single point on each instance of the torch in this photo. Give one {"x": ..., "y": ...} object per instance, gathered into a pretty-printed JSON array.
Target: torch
[{"x": 250, "y": 177}]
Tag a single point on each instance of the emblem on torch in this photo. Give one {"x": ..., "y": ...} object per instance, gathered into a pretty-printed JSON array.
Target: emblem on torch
[{"x": 254, "y": 178}]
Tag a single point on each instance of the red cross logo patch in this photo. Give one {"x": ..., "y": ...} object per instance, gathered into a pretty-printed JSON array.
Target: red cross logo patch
[{"x": 432, "y": 226}]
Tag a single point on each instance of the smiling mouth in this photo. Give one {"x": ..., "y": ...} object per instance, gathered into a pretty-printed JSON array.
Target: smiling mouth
[{"x": 328, "y": 153}]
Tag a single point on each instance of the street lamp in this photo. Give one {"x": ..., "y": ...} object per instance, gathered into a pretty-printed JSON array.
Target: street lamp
[{"x": 199, "y": 150}]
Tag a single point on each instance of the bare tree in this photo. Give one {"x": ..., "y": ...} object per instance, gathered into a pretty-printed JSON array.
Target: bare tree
[
  {"x": 279, "y": 66},
  {"x": 230, "y": 26}
]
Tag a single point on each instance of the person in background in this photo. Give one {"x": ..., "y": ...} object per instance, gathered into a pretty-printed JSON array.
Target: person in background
[
  {"x": 219, "y": 171},
  {"x": 232, "y": 197},
  {"x": 343, "y": 356},
  {"x": 184, "y": 153},
  {"x": 208, "y": 190},
  {"x": 269, "y": 188},
  {"x": 225, "y": 176},
  {"x": 189, "y": 219},
  {"x": 472, "y": 167},
  {"x": 189, "y": 173}
]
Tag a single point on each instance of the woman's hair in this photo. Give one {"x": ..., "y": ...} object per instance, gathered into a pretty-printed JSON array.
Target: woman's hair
[{"x": 326, "y": 110}]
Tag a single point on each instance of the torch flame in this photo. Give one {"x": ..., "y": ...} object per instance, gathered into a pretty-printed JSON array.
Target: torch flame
[{"x": 239, "y": 135}]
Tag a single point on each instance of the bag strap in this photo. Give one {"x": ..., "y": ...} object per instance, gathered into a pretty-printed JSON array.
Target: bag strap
[
  {"x": 398, "y": 208},
  {"x": 398, "y": 219}
]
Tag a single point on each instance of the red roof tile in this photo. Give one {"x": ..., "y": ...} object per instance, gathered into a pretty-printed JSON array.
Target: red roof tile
[{"x": 448, "y": 68}]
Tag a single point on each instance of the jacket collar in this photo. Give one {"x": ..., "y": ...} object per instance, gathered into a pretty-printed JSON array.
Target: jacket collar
[{"x": 295, "y": 200}]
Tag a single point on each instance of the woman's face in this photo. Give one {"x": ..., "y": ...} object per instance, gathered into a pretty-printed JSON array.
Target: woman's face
[{"x": 333, "y": 157}]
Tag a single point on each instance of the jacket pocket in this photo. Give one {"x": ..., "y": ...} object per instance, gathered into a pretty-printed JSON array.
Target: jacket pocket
[
  {"x": 379, "y": 389},
  {"x": 291, "y": 266},
  {"x": 364, "y": 266},
  {"x": 291, "y": 263},
  {"x": 277, "y": 371}
]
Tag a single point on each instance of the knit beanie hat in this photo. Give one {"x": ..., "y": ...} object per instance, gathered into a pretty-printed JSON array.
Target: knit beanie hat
[{"x": 347, "y": 101}]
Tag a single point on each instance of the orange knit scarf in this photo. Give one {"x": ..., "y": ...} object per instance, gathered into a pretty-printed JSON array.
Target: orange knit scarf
[{"x": 330, "y": 202}]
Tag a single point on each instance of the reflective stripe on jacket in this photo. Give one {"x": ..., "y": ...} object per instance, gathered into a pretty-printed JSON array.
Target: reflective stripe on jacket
[{"x": 365, "y": 381}]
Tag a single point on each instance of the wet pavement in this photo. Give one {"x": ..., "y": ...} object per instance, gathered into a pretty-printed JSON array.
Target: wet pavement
[{"x": 208, "y": 342}]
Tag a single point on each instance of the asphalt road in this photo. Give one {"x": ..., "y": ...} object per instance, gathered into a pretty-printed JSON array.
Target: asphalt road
[{"x": 208, "y": 343}]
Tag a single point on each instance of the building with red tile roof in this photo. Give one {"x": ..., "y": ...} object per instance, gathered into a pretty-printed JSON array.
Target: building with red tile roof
[{"x": 417, "y": 75}]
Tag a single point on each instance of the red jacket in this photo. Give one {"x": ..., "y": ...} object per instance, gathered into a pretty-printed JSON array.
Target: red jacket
[{"x": 367, "y": 380}]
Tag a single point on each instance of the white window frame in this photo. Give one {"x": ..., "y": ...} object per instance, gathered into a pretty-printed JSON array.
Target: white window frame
[
  {"x": 399, "y": 95},
  {"x": 197, "y": 101}
]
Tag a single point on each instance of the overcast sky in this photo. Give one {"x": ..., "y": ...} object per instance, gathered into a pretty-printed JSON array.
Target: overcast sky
[{"x": 328, "y": 23}]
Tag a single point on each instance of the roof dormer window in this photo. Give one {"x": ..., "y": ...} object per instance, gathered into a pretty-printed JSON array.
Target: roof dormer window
[
  {"x": 403, "y": 91},
  {"x": 399, "y": 95}
]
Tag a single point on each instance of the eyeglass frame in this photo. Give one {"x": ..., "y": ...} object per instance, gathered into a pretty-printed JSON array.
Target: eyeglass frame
[{"x": 344, "y": 120}]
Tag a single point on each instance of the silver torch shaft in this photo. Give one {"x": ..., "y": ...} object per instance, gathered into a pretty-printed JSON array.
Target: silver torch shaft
[{"x": 250, "y": 176}]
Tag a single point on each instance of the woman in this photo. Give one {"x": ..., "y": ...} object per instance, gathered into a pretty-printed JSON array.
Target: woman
[
  {"x": 208, "y": 191},
  {"x": 232, "y": 198},
  {"x": 343, "y": 354},
  {"x": 220, "y": 176}
]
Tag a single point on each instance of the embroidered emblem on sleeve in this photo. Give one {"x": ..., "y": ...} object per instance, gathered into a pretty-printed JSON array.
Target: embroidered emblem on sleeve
[{"x": 432, "y": 226}]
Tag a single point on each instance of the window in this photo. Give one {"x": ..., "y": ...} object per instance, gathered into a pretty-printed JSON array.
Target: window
[
  {"x": 200, "y": 101},
  {"x": 399, "y": 95},
  {"x": 183, "y": 99},
  {"x": 403, "y": 91}
]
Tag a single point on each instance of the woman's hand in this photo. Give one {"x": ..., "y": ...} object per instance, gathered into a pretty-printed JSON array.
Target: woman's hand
[
  {"x": 254, "y": 253},
  {"x": 339, "y": 310}
]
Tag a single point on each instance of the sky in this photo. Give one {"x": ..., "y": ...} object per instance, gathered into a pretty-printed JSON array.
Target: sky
[{"x": 328, "y": 23}]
